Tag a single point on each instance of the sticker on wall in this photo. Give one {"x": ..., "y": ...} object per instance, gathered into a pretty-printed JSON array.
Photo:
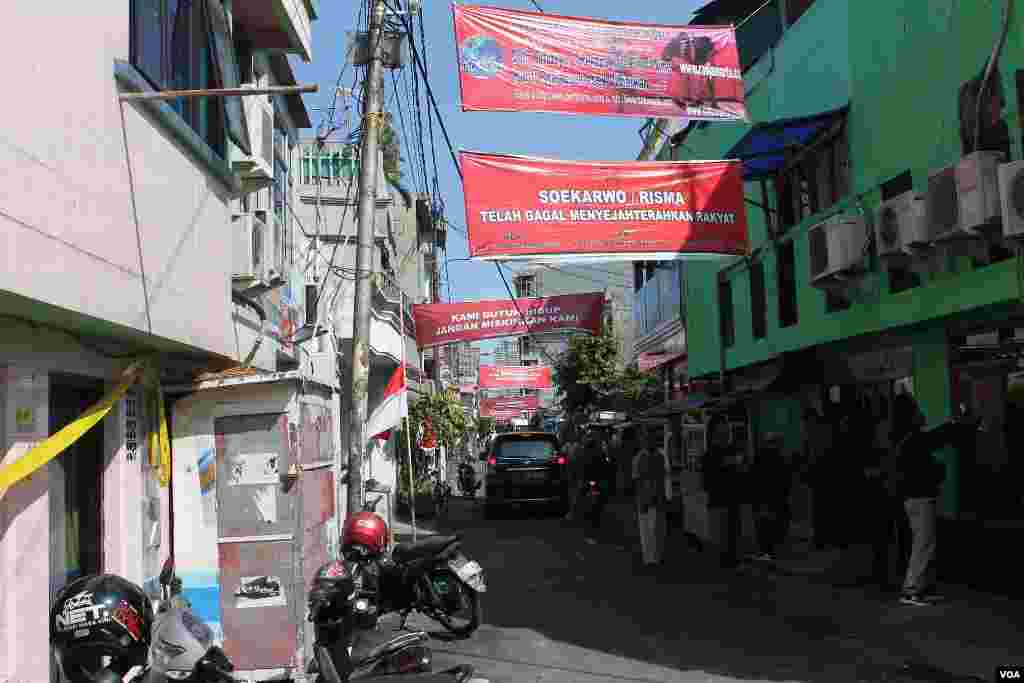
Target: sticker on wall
[
  {"x": 25, "y": 420},
  {"x": 260, "y": 591},
  {"x": 266, "y": 502},
  {"x": 259, "y": 469}
]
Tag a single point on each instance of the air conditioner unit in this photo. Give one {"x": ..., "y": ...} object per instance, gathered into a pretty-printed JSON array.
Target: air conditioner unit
[
  {"x": 249, "y": 249},
  {"x": 256, "y": 170},
  {"x": 837, "y": 249},
  {"x": 322, "y": 366},
  {"x": 1011, "y": 195},
  {"x": 942, "y": 209},
  {"x": 900, "y": 227},
  {"x": 977, "y": 184}
]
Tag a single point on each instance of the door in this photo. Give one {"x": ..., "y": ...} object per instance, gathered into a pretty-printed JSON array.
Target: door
[
  {"x": 76, "y": 502},
  {"x": 256, "y": 525}
]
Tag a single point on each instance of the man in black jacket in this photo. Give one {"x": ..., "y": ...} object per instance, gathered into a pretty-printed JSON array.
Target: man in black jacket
[{"x": 916, "y": 477}]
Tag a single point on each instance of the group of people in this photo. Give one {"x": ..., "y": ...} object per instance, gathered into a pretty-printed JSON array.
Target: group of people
[
  {"x": 870, "y": 479},
  {"x": 634, "y": 462},
  {"x": 866, "y": 487}
]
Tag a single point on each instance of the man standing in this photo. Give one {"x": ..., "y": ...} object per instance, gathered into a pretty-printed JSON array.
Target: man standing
[{"x": 649, "y": 482}]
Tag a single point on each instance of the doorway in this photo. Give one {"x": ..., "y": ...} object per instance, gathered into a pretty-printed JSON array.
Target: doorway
[{"x": 76, "y": 547}]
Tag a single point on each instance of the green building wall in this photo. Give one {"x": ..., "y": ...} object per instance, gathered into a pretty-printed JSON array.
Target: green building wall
[{"x": 899, "y": 64}]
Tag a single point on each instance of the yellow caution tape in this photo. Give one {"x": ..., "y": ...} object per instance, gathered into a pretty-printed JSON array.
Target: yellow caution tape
[
  {"x": 165, "y": 442},
  {"x": 53, "y": 446}
]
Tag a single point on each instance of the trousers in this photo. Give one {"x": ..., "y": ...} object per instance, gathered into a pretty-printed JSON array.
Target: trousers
[
  {"x": 651, "y": 534},
  {"x": 921, "y": 512}
]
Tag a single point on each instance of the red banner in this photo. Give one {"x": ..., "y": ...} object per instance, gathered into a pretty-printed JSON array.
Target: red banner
[
  {"x": 515, "y": 377},
  {"x": 509, "y": 406},
  {"x": 527, "y": 61},
  {"x": 438, "y": 324},
  {"x": 518, "y": 207}
]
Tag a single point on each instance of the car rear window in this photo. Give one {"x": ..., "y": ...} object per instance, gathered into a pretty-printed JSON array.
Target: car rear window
[{"x": 525, "y": 451}]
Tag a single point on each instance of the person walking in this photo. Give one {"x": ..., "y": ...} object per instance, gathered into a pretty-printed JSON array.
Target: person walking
[
  {"x": 774, "y": 481},
  {"x": 572, "y": 471},
  {"x": 722, "y": 481},
  {"x": 595, "y": 469},
  {"x": 649, "y": 484},
  {"x": 915, "y": 476}
]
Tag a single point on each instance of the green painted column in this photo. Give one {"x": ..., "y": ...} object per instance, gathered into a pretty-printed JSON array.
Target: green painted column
[{"x": 932, "y": 387}]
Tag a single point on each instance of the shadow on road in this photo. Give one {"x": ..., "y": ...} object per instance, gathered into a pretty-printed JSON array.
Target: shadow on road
[{"x": 689, "y": 620}]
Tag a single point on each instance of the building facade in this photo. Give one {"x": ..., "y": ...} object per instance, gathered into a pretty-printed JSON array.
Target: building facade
[
  {"x": 120, "y": 242},
  {"x": 883, "y": 229}
]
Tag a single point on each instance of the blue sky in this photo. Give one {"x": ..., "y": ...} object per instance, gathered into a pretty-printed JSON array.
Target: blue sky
[{"x": 551, "y": 135}]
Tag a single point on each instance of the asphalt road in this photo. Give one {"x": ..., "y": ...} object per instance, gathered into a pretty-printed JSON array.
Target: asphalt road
[{"x": 559, "y": 610}]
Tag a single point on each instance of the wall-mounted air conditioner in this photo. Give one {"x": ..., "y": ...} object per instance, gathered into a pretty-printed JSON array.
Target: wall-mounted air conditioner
[
  {"x": 1011, "y": 195},
  {"x": 837, "y": 249},
  {"x": 249, "y": 253},
  {"x": 257, "y": 169},
  {"x": 900, "y": 227},
  {"x": 963, "y": 199},
  {"x": 977, "y": 184}
]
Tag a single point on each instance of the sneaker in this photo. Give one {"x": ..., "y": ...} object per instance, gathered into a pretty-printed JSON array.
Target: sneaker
[
  {"x": 914, "y": 600},
  {"x": 932, "y": 597},
  {"x": 590, "y": 541}
]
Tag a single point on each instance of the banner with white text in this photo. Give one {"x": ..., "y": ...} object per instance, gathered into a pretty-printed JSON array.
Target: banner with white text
[{"x": 524, "y": 207}]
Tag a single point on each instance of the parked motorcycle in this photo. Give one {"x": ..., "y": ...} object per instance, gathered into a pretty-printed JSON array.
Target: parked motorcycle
[
  {"x": 433, "y": 576},
  {"x": 468, "y": 484},
  {"x": 103, "y": 630},
  {"x": 343, "y": 601}
]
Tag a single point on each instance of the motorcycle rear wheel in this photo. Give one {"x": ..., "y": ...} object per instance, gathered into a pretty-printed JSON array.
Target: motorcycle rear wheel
[{"x": 474, "y": 607}]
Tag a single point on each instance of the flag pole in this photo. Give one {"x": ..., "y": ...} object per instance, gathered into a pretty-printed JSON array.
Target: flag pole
[{"x": 408, "y": 426}]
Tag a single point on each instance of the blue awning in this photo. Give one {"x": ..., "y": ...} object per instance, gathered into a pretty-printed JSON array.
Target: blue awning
[{"x": 765, "y": 147}]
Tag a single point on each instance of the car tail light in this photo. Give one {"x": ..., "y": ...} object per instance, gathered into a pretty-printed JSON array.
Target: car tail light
[
  {"x": 561, "y": 460},
  {"x": 492, "y": 461}
]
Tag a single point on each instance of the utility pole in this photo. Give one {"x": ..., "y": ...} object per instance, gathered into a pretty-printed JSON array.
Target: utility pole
[{"x": 373, "y": 101}]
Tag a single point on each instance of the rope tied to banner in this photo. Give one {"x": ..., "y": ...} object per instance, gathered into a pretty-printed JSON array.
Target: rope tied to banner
[{"x": 145, "y": 370}]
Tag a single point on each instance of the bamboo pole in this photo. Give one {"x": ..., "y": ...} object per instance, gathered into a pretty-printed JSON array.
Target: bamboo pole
[{"x": 219, "y": 92}]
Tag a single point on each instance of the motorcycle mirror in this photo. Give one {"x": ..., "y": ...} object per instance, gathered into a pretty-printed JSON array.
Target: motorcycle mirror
[{"x": 167, "y": 573}]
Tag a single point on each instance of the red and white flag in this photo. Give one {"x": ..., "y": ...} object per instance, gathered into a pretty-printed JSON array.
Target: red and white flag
[{"x": 393, "y": 407}]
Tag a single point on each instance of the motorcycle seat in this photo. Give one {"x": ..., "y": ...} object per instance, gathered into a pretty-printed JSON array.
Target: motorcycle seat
[{"x": 407, "y": 552}]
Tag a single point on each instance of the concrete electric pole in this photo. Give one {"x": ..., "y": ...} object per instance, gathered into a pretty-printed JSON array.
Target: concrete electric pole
[{"x": 373, "y": 117}]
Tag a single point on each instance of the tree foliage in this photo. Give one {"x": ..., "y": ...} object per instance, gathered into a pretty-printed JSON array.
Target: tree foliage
[
  {"x": 440, "y": 413},
  {"x": 590, "y": 375}
]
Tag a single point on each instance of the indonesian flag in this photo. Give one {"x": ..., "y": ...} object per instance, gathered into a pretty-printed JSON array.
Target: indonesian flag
[{"x": 393, "y": 407}]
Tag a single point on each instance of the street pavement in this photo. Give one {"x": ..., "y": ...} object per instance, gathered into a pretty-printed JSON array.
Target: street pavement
[{"x": 559, "y": 610}]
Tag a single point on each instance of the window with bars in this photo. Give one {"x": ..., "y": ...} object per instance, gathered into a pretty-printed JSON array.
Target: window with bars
[
  {"x": 187, "y": 44},
  {"x": 815, "y": 181}
]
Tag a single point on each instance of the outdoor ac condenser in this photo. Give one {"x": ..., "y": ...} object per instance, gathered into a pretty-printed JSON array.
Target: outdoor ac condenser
[
  {"x": 1011, "y": 195},
  {"x": 977, "y": 186},
  {"x": 838, "y": 247},
  {"x": 942, "y": 210},
  {"x": 900, "y": 227}
]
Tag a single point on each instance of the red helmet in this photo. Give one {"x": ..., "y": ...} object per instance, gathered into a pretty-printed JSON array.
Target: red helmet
[{"x": 365, "y": 529}]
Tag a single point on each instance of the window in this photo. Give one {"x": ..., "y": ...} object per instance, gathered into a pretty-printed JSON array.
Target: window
[
  {"x": 526, "y": 286},
  {"x": 725, "y": 314},
  {"x": 758, "y": 308},
  {"x": 311, "y": 304},
  {"x": 186, "y": 44},
  {"x": 814, "y": 181},
  {"x": 785, "y": 270}
]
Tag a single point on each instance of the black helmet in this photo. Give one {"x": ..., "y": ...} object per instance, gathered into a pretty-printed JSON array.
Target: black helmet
[{"x": 100, "y": 615}]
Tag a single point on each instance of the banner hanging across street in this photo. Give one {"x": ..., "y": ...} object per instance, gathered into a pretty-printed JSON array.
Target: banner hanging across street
[
  {"x": 439, "y": 324},
  {"x": 525, "y": 207},
  {"x": 508, "y": 407},
  {"x": 515, "y": 377},
  {"x": 511, "y": 60}
]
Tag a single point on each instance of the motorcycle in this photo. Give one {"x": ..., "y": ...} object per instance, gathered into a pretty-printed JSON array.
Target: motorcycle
[
  {"x": 343, "y": 603},
  {"x": 468, "y": 484},
  {"x": 433, "y": 576}
]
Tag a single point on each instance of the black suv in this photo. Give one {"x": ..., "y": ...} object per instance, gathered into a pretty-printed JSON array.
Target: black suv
[{"x": 525, "y": 467}]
